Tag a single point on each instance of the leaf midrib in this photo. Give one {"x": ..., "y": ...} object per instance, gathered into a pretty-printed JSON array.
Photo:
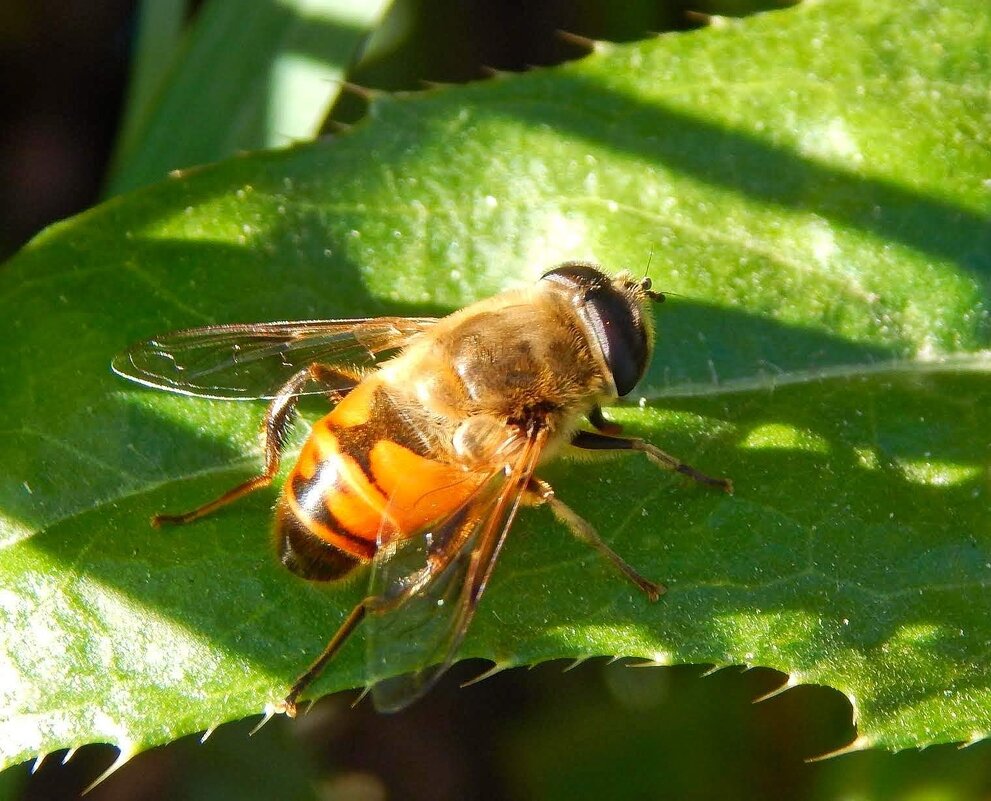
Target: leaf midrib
[
  {"x": 971, "y": 361},
  {"x": 976, "y": 361}
]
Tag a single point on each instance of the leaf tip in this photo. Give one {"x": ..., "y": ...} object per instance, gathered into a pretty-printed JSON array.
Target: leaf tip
[
  {"x": 974, "y": 738},
  {"x": 861, "y": 743},
  {"x": 793, "y": 680},
  {"x": 577, "y": 662},
  {"x": 124, "y": 754},
  {"x": 492, "y": 671},
  {"x": 267, "y": 714},
  {"x": 709, "y": 20},
  {"x": 592, "y": 45},
  {"x": 656, "y": 659},
  {"x": 363, "y": 92}
]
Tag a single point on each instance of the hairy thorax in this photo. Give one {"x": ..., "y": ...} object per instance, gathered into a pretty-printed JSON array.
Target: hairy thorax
[{"x": 501, "y": 366}]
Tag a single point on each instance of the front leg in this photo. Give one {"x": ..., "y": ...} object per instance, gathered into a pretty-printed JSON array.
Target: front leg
[
  {"x": 592, "y": 441},
  {"x": 601, "y": 424}
]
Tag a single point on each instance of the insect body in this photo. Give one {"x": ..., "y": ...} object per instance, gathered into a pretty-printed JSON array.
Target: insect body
[{"x": 425, "y": 459}]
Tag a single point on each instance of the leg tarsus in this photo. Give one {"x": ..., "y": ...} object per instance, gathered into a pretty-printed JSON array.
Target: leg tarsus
[
  {"x": 338, "y": 381},
  {"x": 669, "y": 462},
  {"x": 249, "y": 486}
]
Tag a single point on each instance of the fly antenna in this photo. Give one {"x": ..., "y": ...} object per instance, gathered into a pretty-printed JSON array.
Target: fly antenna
[
  {"x": 645, "y": 283},
  {"x": 650, "y": 257}
]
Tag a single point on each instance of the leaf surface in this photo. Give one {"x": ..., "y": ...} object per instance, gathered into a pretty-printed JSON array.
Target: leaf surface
[
  {"x": 249, "y": 75},
  {"x": 814, "y": 184}
]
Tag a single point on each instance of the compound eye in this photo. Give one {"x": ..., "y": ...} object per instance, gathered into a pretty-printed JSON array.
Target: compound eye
[
  {"x": 613, "y": 316},
  {"x": 621, "y": 335},
  {"x": 578, "y": 275}
]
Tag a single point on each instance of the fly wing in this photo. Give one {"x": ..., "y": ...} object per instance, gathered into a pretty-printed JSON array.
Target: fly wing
[
  {"x": 441, "y": 575},
  {"x": 252, "y": 361}
]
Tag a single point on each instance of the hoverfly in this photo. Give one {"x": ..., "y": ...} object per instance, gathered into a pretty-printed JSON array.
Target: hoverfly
[{"x": 432, "y": 445}]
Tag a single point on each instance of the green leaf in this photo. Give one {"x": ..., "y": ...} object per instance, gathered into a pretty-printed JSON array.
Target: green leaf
[
  {"x": 157, "y": 39},
  {"x": 814, "y": 183},
  {"x": 252, "y": 75}
]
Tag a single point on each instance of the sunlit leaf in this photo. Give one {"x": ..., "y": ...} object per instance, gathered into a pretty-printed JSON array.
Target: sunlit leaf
[{"x": 814, "y": 184}]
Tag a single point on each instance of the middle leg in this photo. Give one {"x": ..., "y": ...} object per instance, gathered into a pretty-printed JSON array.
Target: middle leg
[{"x": 539, "y": 492}]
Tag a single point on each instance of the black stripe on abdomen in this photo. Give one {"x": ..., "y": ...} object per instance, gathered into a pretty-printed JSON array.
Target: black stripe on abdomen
[{"x": 305, "y": 552}]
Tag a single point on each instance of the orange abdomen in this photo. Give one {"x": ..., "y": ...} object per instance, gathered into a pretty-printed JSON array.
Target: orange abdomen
[{"x": 365, "y": 475}]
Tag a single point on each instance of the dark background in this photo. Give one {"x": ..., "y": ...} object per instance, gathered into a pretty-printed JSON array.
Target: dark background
[
  {"x": 597, "y": 731},
  {"x": 64, "y": 67}
]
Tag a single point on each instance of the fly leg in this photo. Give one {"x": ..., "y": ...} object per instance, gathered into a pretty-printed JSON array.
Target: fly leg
[
  {"x": 357, "y": 614},
  {"x": 373, "y": 603},
  {"x": 540, "y": 492},
  {"x": 276, "y": 426},
  {"x": 339, "y": 380},
  {"x": 592, "y": 441},
  {"x": 601, "y": 424},
  {"x": 437, "y": 563}
]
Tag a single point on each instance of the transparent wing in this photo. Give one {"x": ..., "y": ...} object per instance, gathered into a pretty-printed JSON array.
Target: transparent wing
[
  {"x": 252, "y": 361},
  {"x": 407, "y": 639},
  {"x": 420, "y": 638}
]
